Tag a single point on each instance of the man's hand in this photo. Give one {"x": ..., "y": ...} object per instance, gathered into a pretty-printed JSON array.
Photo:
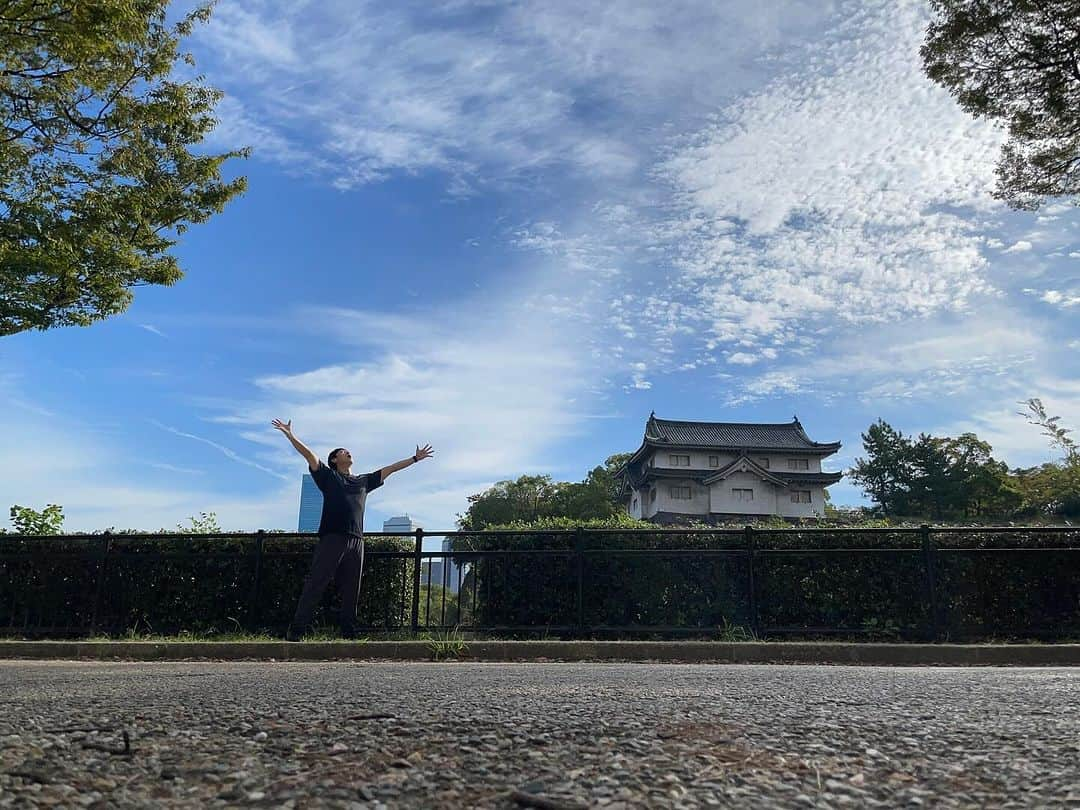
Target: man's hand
[
  {"x": 301, "y": 448},
  {"x": 420, "y": 454}
]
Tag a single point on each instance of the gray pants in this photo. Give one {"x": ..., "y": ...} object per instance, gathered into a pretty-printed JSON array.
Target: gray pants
[{"x": 339, "y": 557}]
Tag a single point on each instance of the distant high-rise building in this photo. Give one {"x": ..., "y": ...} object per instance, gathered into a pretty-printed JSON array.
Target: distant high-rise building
[
  {"x": 402, "y": 524},
  {"x": 437, "y": 572},
  {"x": 310, "y": 505}
]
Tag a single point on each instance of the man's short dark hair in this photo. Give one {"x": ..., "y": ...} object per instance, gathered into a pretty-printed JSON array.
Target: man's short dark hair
[{"x": 333, "y": 454}]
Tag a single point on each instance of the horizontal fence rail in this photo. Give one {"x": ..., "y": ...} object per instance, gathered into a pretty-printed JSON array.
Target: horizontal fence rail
[{"x": 918, "y": 583}]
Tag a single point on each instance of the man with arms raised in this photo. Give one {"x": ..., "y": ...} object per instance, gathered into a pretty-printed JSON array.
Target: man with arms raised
[{"x": 340, "y": 552}]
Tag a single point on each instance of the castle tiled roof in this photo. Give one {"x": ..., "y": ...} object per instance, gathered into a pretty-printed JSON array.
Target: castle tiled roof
[{"x": 757, "y": 435}]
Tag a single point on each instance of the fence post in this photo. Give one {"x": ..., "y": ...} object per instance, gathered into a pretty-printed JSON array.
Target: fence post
[
  {"x": 417, "y": 562},
  {"x": 931, "y": 582},
  {"x": 579, "y": 548},
  {"x": 102, "y": 567},
  {"x": 750, "y": 547},
  {"x": 253, "y": 611}
]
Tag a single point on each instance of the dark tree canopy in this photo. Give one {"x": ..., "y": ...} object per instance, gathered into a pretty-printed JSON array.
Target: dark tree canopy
[
  {"x": 958, "y": 478},
  {"x": 1016, "y": 62},
  {"x": 530, "y": 498},
  {"x": 97, "y": 170}
]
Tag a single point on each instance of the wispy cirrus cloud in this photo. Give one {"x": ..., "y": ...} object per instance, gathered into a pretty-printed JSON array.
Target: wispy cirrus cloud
[
  {"x": 493, "y": 388},
  {"x": 812, "y": 204},
  {"x": 229, "y": 453},
  {"x": 356, "y": 90}
]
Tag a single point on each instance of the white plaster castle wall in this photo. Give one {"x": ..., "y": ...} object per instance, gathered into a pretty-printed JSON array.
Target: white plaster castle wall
[
  {"x": 816, "y": 507},
  {"x": 698, "y": 460},
  {"x": 722, "y": 500},
  {"x": 697, "y": 505},
  {"x": 778, "y": 463},
  {"x": 649, "y": 504}
]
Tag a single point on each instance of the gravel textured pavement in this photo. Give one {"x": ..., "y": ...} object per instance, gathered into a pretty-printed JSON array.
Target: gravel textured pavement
[{"x": 539, "y": 735}]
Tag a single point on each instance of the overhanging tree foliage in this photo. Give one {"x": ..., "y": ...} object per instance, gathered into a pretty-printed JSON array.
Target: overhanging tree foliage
[
  {"x": 1016, "y": 62},
  {"x": 97, "y": 170}
]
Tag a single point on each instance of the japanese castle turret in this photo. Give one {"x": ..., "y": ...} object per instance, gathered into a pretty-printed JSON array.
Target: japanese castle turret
[{"x": 708, "y": 471}]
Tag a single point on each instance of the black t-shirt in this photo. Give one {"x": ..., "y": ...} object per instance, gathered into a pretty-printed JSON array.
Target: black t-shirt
[{"x": 343, "y": 499}]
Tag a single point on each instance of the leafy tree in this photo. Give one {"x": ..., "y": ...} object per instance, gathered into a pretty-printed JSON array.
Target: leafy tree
[
  {"x": 526, "y": 498},
  {"x": 885, "y": 473},
  {"x": 932, "y": 485},
  {"x": 1016, "y": 62},
  {"x": 533, "y": 497},
  {"x": 27, "y": 521},
  {"x": 983, "y": 484},
  {"x": 97, "y": 172},
  {"x": 934, "y": 477},
  {"x": 605, "y": 476}
]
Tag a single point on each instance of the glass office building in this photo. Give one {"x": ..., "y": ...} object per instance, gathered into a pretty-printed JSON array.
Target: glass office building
[{"x": 310, "y": 505}]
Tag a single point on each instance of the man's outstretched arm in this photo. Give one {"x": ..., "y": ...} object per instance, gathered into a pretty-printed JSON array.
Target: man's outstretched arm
[
  {"x": 301, "y": 448},
  {"x": 420, "y": 455}
]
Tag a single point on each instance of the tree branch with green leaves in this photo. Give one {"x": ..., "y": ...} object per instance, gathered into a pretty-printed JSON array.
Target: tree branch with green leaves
[
  {"x": 1016, "y": 63},
  {"x": 99, "y": 168}
]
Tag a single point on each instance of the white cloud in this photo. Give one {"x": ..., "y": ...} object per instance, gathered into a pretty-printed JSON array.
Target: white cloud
[
  {"x": 942, "y": 360},
  {"x": 153, "y": 329},
  {"x": 1003, "y": 423},
  {"x": 354, "y": 90},
  {"x": 101, "y": 484},
  {"x": 637, "y": 378},
  {"x": 815, "y": 205},
  {"x": 161, "y": 465},
  {"x": 1058, "y": 298},
  {"x": 742, "y": 358},
  {"x": 230, "y": 454},
  {"x": 1022, "y": 246},
  {"x": 493, "y": 388}
]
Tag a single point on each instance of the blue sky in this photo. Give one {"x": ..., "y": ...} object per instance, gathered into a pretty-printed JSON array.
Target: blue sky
[{"x": 513, "y": 230}]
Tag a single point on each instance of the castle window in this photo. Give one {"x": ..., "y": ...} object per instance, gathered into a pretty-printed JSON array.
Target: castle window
[
  {"x": 680, "y": 461},
  {"x": 742, "y": 494},
  {"x": 798, "y": 464},
  {"x": 714, "y": 461},
  {"x": 764, "y": 462},
  {"x": 652, "y": 495},
  {"x": 680, "y": 493},
  {"x": 800, "y": 496}
]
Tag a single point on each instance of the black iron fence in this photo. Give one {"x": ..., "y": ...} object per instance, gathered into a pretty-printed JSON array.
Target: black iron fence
[{"x": 923, "y": 583}]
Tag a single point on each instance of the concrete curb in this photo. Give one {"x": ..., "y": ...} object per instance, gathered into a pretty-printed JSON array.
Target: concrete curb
[{"x": 688, "y": 652}]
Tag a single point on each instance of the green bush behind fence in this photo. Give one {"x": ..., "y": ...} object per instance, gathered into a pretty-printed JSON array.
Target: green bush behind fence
[{"x": 917, "y": 584}]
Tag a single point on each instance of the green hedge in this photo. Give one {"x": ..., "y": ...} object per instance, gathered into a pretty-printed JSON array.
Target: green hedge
[
  {"x": 202, "y": 583},
  {"x": 881, "y": 592},
  {"x": 197, "y": 583}
]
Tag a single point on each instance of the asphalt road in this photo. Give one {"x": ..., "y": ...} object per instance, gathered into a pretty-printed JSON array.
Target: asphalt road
[{"x": 553, "y": 735}]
